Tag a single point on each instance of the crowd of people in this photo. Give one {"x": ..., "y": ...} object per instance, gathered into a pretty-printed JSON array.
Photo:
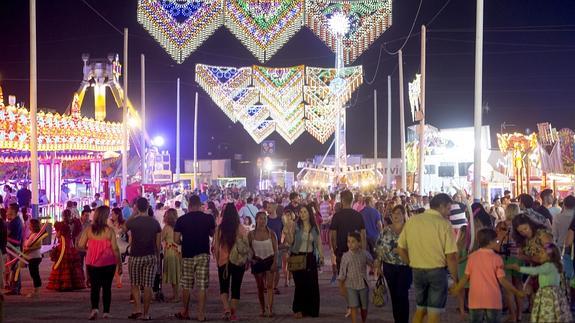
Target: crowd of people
[{"x": 514, "y": 253}]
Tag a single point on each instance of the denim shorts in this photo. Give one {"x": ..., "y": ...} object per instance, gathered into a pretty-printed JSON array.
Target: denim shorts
[
  {"x": 490, "y": 315},
  {"x": 358, "y": 298},
  {"x": 430, "y": 289}
]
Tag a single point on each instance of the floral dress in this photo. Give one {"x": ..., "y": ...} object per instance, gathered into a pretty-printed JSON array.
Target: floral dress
[
  {"x": 386, "y": 242},
  {"x": 534, "y": 246}
]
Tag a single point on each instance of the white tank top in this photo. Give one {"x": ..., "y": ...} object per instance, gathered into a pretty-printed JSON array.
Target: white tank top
[{"x": 263, "y": 249}]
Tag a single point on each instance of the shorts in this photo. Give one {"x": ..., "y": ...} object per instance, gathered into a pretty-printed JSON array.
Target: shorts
[
  {"x": 142, "y": 270},
  {"x": 196, "y": 270},
  {"x": 430, "y": 289},
  {"x": 358, "y": 298}
]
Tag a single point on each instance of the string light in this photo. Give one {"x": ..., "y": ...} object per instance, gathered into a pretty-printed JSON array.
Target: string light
[
  {"x": 368, "y": 19},
  {"x": 264, "y": 26}
]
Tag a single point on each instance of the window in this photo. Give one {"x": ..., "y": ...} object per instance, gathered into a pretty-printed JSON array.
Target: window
[{"x": 446, "y": 171}]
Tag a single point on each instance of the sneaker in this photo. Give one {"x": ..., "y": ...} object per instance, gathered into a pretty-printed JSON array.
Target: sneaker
[
  {"x": 106, "y": 315},
  {"x": 93, "y": 315}
]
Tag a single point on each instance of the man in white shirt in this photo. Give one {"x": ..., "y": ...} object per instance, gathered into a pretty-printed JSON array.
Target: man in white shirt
[
  {"x": 249, "y": 210},
  {"x": 178, "y": 207}
]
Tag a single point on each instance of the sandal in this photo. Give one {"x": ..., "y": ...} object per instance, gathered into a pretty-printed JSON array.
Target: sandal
[
  {"x": 147, "y": 318},
  {"x": 226, "y": 316},
  {"x": 134, "y": 316},
  {"x": 182, "y": 317},
  {"x": 203, "y": 320}
]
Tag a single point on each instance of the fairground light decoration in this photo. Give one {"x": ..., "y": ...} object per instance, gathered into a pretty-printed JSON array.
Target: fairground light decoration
[
  {"x": 368, "y": 19},
  {"x": 263, "y": 26},
  {"x": 276, "y": 98},
  {"x": 180, "y": 26}
]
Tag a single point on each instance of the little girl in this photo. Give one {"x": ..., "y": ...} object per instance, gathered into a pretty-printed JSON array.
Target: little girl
[
  {"x": 353, "y": 278},
  {"x": 550, "y": 303}
]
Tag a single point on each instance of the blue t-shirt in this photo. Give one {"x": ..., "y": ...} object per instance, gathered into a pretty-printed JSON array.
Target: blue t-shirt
[
  {"x": 126, "y": 212},
  {"x": 15, "y": 227},
  {"x": 370, "y": 218},
  {"x": 276, "y": 225}
]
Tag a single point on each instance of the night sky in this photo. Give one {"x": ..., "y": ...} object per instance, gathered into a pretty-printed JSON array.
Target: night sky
[{"x": 529, "y": 71}]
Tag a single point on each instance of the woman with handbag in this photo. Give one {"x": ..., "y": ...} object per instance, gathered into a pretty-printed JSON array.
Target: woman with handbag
[
  {"x": 230, "y": 248},
  {"x": 265, "y": 247},
  {"x": 306, "y": 255},
  {"x": 396, "y": 272}
]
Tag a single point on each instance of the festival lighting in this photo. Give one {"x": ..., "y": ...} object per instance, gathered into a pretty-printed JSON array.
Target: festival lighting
[
  {"x": 281, "y": 93},
  {"x": 180, "y": 26},
  {"x": 367, "y": 20},
  {"x": 264, "y": 26},
  {"x": 339, "y": 24},
  {"x": 57, "y": 132}
]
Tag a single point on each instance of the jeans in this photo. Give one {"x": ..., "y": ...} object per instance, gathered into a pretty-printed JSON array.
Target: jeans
[
  {"x": 398, "y": 280},
  {"x": 430, "y": 288},
  {"x": 489, "y": 315},
  {"x": 101, "y": 278},
  {"x": 34, "y": 268}
]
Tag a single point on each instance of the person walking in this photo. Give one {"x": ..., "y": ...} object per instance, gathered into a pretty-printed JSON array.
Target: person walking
[
  {"x": 32, "y": 251},
  {"x": 304, "y": 237},
  {"x": 172, "y": 268},
  {"x": 353, "y": 279},
  {"x": 102, "y": 260},
  {"x": 145, "y": 234},
  {"x": 427, "y": 245},
  {"x": 275, "y": 224},
  {"x": 373, "y": 223},
  {"x": 264, "y": 267},
  {"x": 388, "y": 262},
  {"x": 193, "y": 231},
  {"x": 230, "y": 235},
  {"x": 15, "y": 231}
]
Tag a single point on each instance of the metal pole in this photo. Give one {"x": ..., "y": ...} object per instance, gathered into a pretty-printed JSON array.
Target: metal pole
[
  {"x": 33, "y": 110},
  {"x": 125, "y": 138},
  {"x": 196, "y": 142},
  {"x": 388, "y": 173},
  {"x": 143, "y": 126},
  {"x": 375, "y": 128},
  {"x": 422, "y": 109},
  {"x": 402, "y": 124},
  {"x": 478, "y": 101},
  {"x": 178, "y": 131}
]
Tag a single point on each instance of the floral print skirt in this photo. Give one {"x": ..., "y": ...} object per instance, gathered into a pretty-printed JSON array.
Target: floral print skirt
[{"x": 551, "y": 305}]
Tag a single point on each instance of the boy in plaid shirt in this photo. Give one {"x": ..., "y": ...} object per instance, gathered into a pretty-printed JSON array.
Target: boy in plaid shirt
[{"x": 353, "y": 276}]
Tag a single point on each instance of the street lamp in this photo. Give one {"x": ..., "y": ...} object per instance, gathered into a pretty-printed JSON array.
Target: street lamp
[{"x": 158, "y": 141}]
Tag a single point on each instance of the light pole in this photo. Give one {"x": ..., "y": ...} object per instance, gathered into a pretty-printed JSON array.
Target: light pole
[{"x": 33, "y": 110}]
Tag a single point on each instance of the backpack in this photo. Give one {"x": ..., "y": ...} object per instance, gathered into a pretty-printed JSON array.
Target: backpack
[{"x": 241, "y": 251}]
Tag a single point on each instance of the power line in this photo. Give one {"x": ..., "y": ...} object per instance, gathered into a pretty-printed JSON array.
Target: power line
[
  {"x": 409, "y": 34},
  {"x": 102, "y": 17},
  {"x": 438, "y": 13}
]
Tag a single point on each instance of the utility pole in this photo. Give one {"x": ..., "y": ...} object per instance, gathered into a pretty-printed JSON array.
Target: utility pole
[
  {"x": 125, "y": 134},
  {"x": 178, "y": 131},
  {"x": 33, "y": 112},
  {"x": 375, "y": 129},
  {"x": 388, "y": 173},
  {"x": 477, "y": 122},
  {"x": 422, "y": 115},
  {"x": 143, "y": 125}
]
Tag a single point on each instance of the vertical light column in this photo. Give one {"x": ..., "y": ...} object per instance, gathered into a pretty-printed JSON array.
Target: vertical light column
[
  {"x": 422, "y": 109},
  {"x": 125, "y": 138},
  {"x": 33, "y": 111},
  {"x": 95, "y": 175},
  {"x": 402, "y": 124},
  {"x": 143, "y": 125},
  {"x": 196, "y": 141},
  {"x": 178, "y": 130},
  {"x": 477, "y": 106},
  {"x": 388, "y": 173}
]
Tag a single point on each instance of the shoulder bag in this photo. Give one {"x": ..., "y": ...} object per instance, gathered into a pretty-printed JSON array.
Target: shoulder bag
[{"x": 298, "y": 262}]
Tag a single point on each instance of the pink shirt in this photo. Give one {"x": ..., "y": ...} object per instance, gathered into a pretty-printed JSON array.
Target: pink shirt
[
  {"x": 484, "y": 268},
  {"x": 100, "y": 253}
]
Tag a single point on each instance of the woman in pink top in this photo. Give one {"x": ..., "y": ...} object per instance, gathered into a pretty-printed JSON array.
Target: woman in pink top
[
  {"x": 102, "y": 259},
  {"x": 225, "y": 237}
]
